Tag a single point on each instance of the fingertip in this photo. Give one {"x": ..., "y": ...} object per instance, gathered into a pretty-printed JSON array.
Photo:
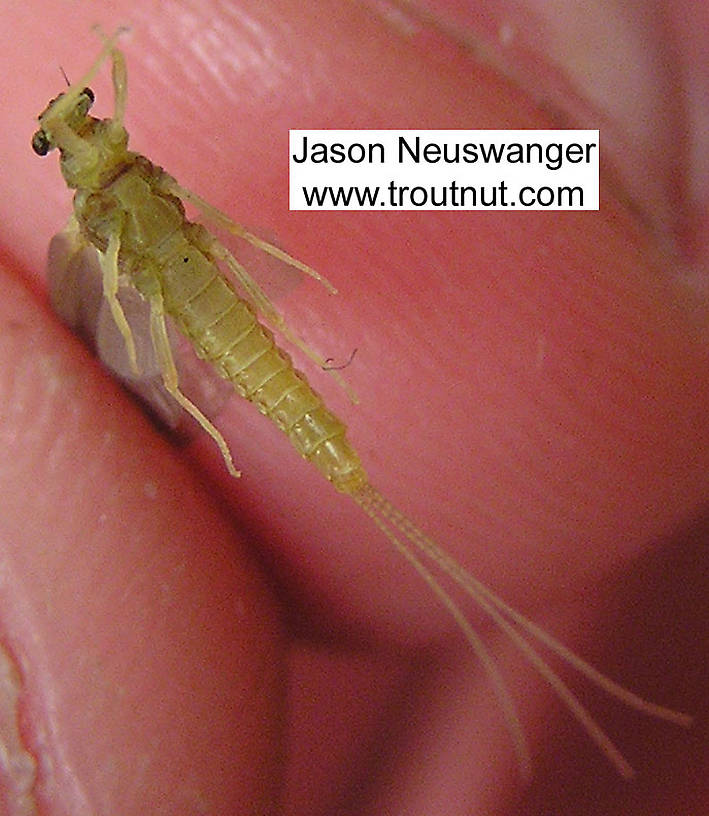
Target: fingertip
[{"x": 146, "y": 645}]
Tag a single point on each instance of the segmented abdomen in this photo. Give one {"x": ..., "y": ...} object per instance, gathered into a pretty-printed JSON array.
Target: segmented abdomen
[{"x": 225, "y": 331}]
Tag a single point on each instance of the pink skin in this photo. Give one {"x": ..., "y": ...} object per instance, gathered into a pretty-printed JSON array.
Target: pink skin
[{"x": 533, "y": 393}]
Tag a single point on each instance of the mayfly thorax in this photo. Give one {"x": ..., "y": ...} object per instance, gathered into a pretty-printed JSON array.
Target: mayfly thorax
[{"x": 131, "y": 213}]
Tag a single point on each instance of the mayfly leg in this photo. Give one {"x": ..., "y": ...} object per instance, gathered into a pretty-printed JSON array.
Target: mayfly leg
[
  {"x": 163, "y": 353},
  {"x": 109, "y": 269},
  {"x": 263, "y": 304},
  {"x": 69, "y": 97},
  {"x": 222, "y": 220},
  {"x": 119, "y": 75}
]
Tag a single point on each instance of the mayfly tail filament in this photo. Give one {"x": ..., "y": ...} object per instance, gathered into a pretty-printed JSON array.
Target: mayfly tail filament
[{"x": 407, "y": 538}]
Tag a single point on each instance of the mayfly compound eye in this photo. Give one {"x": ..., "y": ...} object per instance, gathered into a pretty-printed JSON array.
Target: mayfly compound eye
[{"x": 40, "y": 143}]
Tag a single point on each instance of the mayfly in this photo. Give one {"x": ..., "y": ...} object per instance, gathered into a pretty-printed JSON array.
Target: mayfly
[{"x": 131, "y": 212}]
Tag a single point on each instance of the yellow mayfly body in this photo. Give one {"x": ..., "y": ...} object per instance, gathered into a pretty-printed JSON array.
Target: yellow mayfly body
[{"x": 131, "y": 213}]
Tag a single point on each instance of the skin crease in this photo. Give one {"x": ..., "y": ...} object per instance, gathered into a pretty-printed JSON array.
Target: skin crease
[{"x": 533, "y": 394}]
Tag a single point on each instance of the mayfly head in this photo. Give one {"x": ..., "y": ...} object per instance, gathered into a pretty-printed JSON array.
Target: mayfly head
[
  {"x": 68, "y": 109},
  {"x": 90, "y": 149}
]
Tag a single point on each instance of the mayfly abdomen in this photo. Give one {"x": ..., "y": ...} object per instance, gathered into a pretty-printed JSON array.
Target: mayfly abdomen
[{"x": 226, "y": 332}]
